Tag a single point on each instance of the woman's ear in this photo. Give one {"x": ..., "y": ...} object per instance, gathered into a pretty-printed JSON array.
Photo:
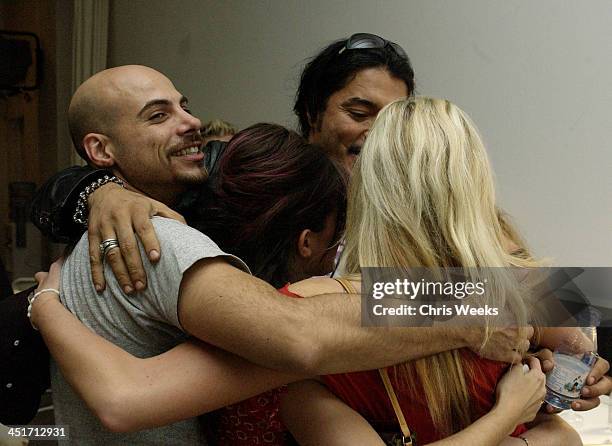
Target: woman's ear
[
  {"x": 304, "y": 244},
  {"x": 99, "y": 150}
]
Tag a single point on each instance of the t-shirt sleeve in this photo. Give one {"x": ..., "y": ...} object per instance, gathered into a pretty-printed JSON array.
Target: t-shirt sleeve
[{"x": 181, "y": 247}]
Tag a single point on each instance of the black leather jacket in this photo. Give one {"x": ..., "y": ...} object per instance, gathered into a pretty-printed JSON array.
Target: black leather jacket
[{"x": 54, "y": 204}]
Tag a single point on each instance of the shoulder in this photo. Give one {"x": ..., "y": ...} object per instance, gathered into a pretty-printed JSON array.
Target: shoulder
[
  {"x": 187, "y": 245},
  {"x": 315, "y": 286},
  {"x": 168, "y": 225},
  {"x": 174, "y": 233}
]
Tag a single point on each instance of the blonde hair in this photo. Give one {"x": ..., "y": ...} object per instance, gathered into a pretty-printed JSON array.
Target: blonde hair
[
  {"x": 422, "y": 195},
  {"x": 217, "y": 127}
]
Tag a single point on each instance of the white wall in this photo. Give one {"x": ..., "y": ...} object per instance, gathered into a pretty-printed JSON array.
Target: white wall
[{"x": 535, "y": 76}]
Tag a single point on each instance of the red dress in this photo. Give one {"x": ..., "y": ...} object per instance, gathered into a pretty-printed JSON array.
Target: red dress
[{"x": 256, "y": 421}]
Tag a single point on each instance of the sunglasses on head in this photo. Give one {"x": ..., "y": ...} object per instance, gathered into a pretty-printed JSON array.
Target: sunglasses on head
[{"x": 362, "y": 41}]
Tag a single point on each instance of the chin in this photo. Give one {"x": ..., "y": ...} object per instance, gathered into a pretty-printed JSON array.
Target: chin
[{"x": 192, "y": 178}]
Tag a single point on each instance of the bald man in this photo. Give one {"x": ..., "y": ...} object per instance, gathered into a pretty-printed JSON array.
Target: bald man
[{"x": 132, "y": 120}]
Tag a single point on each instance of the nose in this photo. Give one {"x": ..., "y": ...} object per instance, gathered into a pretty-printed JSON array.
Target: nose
[
  {"x": 364, "y": 133},
  {"x": 188, "y": 122}
]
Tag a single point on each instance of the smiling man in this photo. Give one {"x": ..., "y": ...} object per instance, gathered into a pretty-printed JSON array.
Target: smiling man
[
  {"x": 344, "y": 87},
  {"x": 132, "y": 120}
]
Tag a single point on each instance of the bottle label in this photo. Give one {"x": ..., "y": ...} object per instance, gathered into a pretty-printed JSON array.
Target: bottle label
[{"x": 569, "y": 374}]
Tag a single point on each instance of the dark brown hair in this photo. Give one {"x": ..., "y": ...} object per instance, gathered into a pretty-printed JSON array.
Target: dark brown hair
[{"x": 271, "y": 185}]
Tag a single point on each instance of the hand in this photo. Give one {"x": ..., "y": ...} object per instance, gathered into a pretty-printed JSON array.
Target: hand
[
  {"x": 116, "y": 213},
  {"x": 597, "y": 384},
  {"x": 506, "y": 344},
  {"x": 520, "y": 394},
  {"x": 547, "y": 361},
  {"x": 52, "y": 278}
]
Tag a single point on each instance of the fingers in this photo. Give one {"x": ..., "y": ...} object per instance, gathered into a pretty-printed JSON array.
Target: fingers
[
  {"x": 534, "y": 364},
  {"x": 146, "y": 234},
  {"x": 129, "y": 258},
  {"x": 516, "y": 357},
  {"x": 518, "y": 353},
  {"x": 115, "y": 260},
  {"x": 602, "y": 387},
  {"x": 117, "y": 264},
  {"x": 523, "y": 346},
  {"x": 57, "y": 265},
  {"x": 546, "y": 359},
  {"x": 585, "y": 404},
  {"x": 526, "y": 332},
  {"x": 40, "y": 276},
  {"x": 600, "y": 368},
  {"x": 164, "y": 211},
  {"x": 95, "y": 259}
]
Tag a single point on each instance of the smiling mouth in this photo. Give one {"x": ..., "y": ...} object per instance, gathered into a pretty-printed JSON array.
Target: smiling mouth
[{"x": 188, "y": 151}]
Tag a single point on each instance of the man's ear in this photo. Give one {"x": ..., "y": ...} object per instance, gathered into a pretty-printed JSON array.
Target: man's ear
[
  {"x": 313, "y": 123},
  {"x": 304, "y": 244},
  {"x": 99, "y": 150}
]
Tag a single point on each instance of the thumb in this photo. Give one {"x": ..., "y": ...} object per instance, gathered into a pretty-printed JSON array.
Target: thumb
[
  {"x": 57, "y": 265},
  {"x": 164, "y": 211},
  {"x": 40, "y": 276}
]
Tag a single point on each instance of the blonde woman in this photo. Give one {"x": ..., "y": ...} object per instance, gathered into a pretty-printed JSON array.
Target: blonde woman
[{"x": 422, "y": 195}]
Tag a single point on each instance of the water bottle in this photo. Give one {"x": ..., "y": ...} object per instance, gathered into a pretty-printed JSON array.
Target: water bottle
[{"x": 574, "y": 358}]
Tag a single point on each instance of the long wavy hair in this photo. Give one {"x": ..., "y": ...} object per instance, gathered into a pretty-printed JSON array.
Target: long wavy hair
[
  {"x": 271, "y": 184},
  {"x": 422, "y": 195}
]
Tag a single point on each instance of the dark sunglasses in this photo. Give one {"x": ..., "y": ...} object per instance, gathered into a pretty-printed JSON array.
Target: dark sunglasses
[{"x": 361, "y": 41}]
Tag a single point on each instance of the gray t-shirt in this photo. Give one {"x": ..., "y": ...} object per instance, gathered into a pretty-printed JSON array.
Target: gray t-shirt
[{"x": 145, "y": 324}]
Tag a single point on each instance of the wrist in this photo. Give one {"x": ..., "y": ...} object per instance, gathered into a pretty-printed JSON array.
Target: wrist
[
  {"x": 91, "y": 198},
  {"x": 39, "y": 306},
  {"x": 505, "y": 416},
  {"x": 81, "y": 212}
]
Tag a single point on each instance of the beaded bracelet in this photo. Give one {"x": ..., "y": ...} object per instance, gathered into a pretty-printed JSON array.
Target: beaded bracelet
[{"x": 82, "y": 209}]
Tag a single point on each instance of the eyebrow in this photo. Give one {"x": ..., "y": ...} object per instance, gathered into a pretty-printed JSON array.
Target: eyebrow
[
  {"x": 359, "y": 101},
  {"x": 155, "y": 102}
]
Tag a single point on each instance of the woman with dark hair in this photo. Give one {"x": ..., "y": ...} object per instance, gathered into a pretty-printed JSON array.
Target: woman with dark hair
[
  {"x": 278, "y": 203},
  {"x": 275, "y": 203}
]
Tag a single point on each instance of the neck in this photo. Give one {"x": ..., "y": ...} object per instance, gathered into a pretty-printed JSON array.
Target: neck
[{"x": 167, "y": 194}]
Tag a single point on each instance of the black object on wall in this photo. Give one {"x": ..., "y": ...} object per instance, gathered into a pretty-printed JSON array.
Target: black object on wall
[
  {"x": 19, "y": 51},
  {"x": 21, "y": 194}
]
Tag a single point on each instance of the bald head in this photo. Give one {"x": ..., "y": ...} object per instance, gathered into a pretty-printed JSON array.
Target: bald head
[{"x": 99, "y": 102}]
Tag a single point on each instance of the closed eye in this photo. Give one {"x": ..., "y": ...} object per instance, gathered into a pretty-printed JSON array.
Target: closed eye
[
  {"x": 357, "y": 115},
  {"x": 157, "y": 116}
]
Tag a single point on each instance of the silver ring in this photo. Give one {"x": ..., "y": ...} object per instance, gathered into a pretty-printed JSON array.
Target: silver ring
[{"x": 107, "y": 245}]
